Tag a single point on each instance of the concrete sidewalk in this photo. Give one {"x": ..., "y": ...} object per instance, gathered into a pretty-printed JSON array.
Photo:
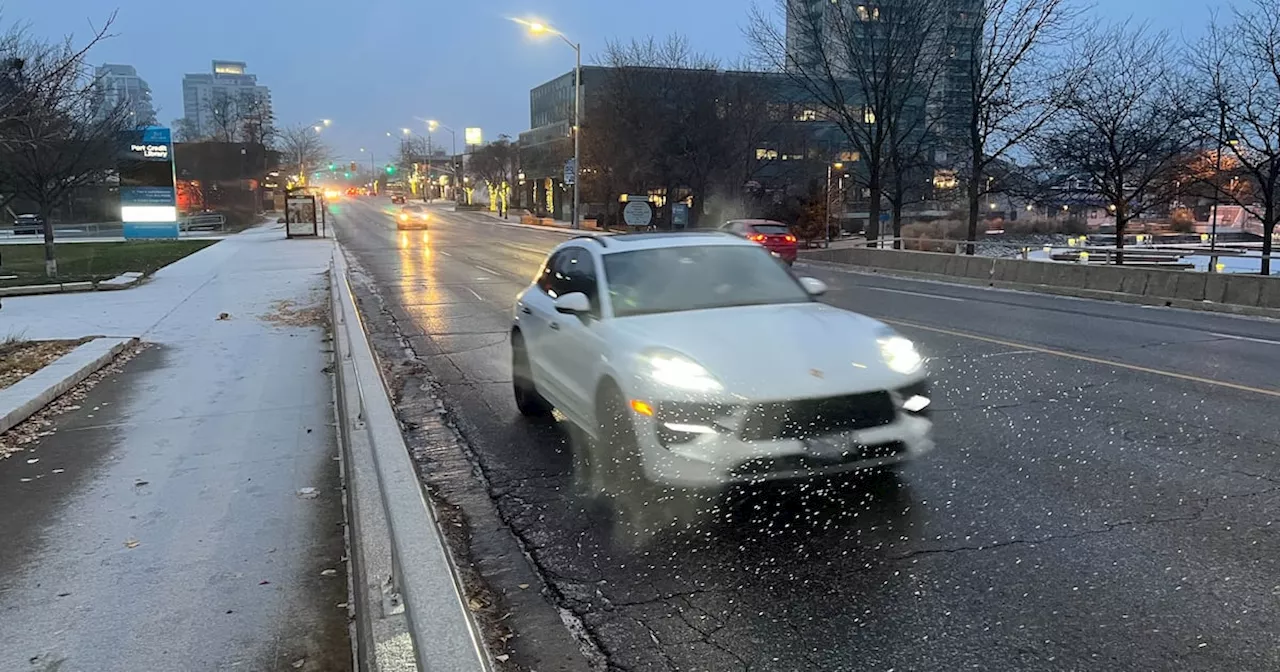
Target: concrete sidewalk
[{"x": 188, "y": 514}]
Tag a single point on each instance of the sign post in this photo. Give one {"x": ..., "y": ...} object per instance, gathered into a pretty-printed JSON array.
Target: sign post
[
  {"x": 570, "y": 175},
  {"x": 148, "y": 199},
  {"x": 300, "y": 215}
]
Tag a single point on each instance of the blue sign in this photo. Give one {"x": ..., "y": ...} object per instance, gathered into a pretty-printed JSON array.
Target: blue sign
[
  {"x": 150, "y": 230},
  {"x": 148, "y": 199},
  {"x": 679, "y": 215}
]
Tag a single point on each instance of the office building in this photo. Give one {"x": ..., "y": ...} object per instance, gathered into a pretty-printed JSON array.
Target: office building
[
  {"x": 119, "y": 85},
  {"x": 202, "y": 93}
]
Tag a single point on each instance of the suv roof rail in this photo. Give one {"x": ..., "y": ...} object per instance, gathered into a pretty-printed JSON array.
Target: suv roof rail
[{"x": 598, "y": 239}]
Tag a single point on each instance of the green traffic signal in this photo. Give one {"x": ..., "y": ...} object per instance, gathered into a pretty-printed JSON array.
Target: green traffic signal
[
  {"x": 391, "y": 169},
  {"x": 347, "y": 175},
  {"x": 332, "y": 167}
]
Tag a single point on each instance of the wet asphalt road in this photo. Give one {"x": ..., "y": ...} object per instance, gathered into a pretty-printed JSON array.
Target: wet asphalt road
[{"x": 1103, "y": 495}]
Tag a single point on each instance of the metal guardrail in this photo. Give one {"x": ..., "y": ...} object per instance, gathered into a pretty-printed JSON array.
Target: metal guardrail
[
  {"x": 207, "y": 222},
  {"x": 422, "y": 578},
  {"x": 1107, "y": 253}
]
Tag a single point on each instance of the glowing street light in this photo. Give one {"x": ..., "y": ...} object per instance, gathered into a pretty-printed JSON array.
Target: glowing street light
[{"x": 539, "y": 28}]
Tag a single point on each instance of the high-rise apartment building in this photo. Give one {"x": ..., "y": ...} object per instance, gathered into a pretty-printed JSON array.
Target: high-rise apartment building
[
  {"x": 204, "y": 93},
  {"x": 120, "y": 85}
]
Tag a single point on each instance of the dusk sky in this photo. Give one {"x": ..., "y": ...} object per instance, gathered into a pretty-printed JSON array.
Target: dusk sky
[{"x": 374, "y": 66}]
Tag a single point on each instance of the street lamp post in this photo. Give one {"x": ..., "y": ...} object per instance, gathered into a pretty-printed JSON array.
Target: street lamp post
[
  {"x": 837, "y": 166},
  {"x": 538, "y": 28},
  {"x": 453, "y": 160}
]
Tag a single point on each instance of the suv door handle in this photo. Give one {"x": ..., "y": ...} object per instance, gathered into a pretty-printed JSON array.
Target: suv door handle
[{"x": 555, "y": 325}]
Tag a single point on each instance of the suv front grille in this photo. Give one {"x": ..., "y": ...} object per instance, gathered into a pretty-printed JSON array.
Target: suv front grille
[{"x": 807, "y": 418}]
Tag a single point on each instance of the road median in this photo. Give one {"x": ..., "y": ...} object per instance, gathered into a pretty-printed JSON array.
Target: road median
[
  {"x": 1236, "y": 294},
  {"x": 408, "y": 601}
]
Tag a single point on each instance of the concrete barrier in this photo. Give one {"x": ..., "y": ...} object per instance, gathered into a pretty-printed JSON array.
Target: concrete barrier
[
  {"x": 1134, "y": 281},
  {"x": 1190, "y": 286},
  {"x": 1269, "y": 296},
  {"x": 1105, "y": 279},
  {"x": 1161, "y": 284},
  {"x": 1187, "y": 289},
  {"x": 410, "y": 613}
]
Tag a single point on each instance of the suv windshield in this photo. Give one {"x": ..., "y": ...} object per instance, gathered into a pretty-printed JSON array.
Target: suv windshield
[{"x": 672, "y": 279}]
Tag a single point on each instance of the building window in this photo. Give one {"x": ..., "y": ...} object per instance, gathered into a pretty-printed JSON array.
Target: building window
[
  {"x": 763, "y": 154},
  {"x": 850, "y": 157},
  {"x": 866, "y": 13},
  {"x": 807, "y": 115},
  {"x": 868, "y": 115}
]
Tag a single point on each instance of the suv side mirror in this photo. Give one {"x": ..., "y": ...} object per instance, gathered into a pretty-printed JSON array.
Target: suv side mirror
[
  {"x": 573, "y": 303},
  {"x": 814, "y": 286}
]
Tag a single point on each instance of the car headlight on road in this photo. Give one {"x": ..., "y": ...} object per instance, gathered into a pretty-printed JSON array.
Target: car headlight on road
[
  {"x": 678, "y": 371},
  {"x": 900, "y": 353}
]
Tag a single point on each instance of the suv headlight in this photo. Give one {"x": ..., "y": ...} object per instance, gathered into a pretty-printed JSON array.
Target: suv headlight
[
  {"x": 678, "y": 371},
  {"x": 899, "y": 353}
]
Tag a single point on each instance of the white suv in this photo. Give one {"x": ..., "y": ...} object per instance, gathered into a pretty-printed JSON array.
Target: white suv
[{"x": 701, "y": 360}]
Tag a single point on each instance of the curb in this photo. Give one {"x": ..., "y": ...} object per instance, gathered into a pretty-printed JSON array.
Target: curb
[
  {"x": 410, "y": 610},
  {"x": 124, "y": 281},
  {"x": 21, "y": 400},
  {"x": 1078, "y": 293}
]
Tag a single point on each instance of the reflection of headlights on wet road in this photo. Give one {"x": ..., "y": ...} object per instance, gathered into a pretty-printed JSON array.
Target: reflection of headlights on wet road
[
  {"x": 900, "y": 353},
  {"x": 404, "y": 240},
  {"x": 678, "y": 371},
  {"x": 426, "y": 238}
]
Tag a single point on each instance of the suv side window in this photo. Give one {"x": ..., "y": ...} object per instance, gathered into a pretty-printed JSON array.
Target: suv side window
[
  {"x": 580, "y": 274},
  {"x": 546, "y": 279}
]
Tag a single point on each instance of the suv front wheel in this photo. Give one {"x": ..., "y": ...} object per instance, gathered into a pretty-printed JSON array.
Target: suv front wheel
[{"x": 528, "y": 401}]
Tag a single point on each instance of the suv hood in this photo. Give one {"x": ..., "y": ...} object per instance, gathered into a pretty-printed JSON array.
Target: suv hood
[{"x": 775, "y": 352}]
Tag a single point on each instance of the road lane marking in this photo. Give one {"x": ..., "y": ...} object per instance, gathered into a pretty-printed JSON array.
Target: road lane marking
[
  {"x": 903, "y": 291},
  {"x": 445, "y": 253},
  {"x": 473, "y": 293},
  {"x": 1087, "y": 358},
  {"x": 1245, "y": 338},
  {"x": 487, "y": 270}
]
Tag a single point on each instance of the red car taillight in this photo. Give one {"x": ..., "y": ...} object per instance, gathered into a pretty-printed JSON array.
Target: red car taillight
[
  {"x": 789, "y": 238},
  {"x": 756, "y": 237}
]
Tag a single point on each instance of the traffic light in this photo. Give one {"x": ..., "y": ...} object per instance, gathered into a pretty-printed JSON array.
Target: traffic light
[
  {"x": 391, "y": 170},
  {"x": 353, "y": 166},
  {"x": 332, "y": 167},
  {"x": 347, "y": 175}
]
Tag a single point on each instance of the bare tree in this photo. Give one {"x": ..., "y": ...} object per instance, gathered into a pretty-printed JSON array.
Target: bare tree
[
  {"x": 495, "y": 164},
  {"x": 1012, "y": 85},
  {"x": 1238, "y": 68},
  {"x": 54, "y": 136},
  {"x": 866, "y": 68},
  {"x": 1118, "y": 129},
  {"x": 186, "y": 130},
  {"x": 223, "y": 111},
  {"x": 257, "y": 122},
  {"x": 301, "y": 148}
]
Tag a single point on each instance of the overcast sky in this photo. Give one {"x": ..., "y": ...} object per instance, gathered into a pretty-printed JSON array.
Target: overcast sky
[{"x": 373, "y": 66}]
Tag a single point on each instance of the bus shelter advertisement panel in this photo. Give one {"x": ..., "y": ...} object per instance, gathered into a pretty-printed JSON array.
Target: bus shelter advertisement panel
[{"x": 148, "y": 200}]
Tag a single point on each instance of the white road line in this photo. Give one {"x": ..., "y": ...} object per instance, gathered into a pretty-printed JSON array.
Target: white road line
[
  {"x": 903, "y": 291},
  {"x": 473, "y": 293},
  {"x": 445, "y": 253},
  {"x": 1245, "y": 338},
  {"x": 487, "y": 270}
]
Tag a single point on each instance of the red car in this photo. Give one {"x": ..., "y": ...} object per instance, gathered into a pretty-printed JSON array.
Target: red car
[{"x": 774, "y": 236}]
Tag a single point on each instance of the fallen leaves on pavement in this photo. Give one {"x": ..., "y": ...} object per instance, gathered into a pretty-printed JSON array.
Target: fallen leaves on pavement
[
  {"x": 19, "y": 359},
  {"x": 40, "y": 425},
  {"x": 286, "y": 313}
]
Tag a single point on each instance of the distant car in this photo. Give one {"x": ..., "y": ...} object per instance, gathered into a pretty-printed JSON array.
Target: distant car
[
  {"x": 28, "y": 225},
  {"x": 697, "y": 361},
  {"x": 413, "y": 217},
  {"x": 774, "y": 236},
  {"x": 397, "y": 197}
]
